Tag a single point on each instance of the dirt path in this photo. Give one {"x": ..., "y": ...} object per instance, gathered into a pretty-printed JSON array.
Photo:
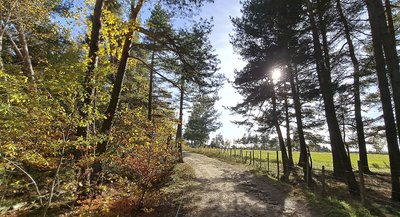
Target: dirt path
[{"x": 231, "y": 190}]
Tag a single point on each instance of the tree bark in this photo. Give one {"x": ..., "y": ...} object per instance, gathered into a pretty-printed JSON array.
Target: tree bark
[
  {"x": 1, "y": 45},
  {"x": 288, "y": 140},
  {"x": 324, "y": 77},
  {"x": 27, "y": 61},
  {"x": 180, "y": 122},
  {"x": 390, "y": 125},
  {"x": 337, "y": 166},
  {"x": 150, "y": 98},
  {"x": 285, "y": 158},
  {"x": 362, "y": 147},
  {"x": 303, "y": 160},
  {"x": 392, "y": 60},
  {"x": 82, "y": 131},
  {"x": 386, "y": 30},
  {"x": 322, "y": 24},
  {"x": 93, "y": 59}
]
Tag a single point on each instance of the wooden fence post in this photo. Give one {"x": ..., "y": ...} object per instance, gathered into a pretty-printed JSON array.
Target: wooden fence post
[
  {"x": 230, "y": 152},
  {"x": 362, "y": 186},
  {"x": 277, "y": 164},
  {"x": 323, "y": 182},
  {"x": 268, "y": 162},
  {"x": 260, "y": 158},
  {"x": 241, "y": 155},
  {"x": 253, "y": 156},
  {"x": 224, "y": 152},
  {"x": 250, "y": 154},
  {"x": 308, "y": 174}
]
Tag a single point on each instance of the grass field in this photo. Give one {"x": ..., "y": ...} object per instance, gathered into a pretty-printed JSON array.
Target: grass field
[{"x": 377, "y": 162}]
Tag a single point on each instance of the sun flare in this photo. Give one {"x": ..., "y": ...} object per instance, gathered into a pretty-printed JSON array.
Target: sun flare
[{"x": 276, "y": 74}]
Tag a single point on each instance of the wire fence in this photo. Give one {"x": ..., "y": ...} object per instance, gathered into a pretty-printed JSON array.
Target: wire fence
[{"x": 322, "y": 179}]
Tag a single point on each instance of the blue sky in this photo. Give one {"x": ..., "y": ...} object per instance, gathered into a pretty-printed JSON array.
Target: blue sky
[{"x": 221, "y": 11}]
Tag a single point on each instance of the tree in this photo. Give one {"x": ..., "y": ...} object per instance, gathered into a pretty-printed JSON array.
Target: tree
[
  {"x": 65, "y": 108},
  {"x": 356, "y": 89},
  {"x": 269, "y": 45},
  {"x": 202, "y": 121},
  {"x": 92, "y": 64},
  {"x": 342, "y": 166},
  {"x": 196, "y": 65},
  {"x": 218, "y": 141},
  {"x": 375, "y": 19}
]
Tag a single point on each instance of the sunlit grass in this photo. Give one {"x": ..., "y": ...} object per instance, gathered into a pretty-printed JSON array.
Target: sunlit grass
[{"x": 377, "y": 162}]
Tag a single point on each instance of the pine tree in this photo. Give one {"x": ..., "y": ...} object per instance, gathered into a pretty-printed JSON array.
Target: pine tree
[{"x": 203, "y": 120}]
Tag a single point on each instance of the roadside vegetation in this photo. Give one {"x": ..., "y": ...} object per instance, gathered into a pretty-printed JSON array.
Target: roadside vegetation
[{"x": 88, "y": 94}]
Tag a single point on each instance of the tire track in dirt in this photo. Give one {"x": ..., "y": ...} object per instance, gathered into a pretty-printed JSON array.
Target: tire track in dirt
[{"x": 231, "y": 190}]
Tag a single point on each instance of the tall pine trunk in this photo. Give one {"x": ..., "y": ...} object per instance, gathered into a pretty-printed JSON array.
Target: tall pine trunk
[
  {"x": 2, "y": 29},
  {"x": 83, "y": 174},
  {"x": 285, "y": 158},
  {"x": 288, "y": 140},
  {"x": 389, "y": 47},
  {"x": 390, "y": 125},
  {"x": 321, "y": 8},
  {"x": 93, "y": 59},
  {"x": 150, "y": 97},
  {"x": 324, "y": 77},
  {"x": 180, "y": 121},
  {"x": 362, "y": 147},
  {"x": 303, "y": 160}
]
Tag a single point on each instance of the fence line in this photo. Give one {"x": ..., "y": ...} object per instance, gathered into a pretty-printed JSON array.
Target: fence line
[{"x": 250, "y": 154}]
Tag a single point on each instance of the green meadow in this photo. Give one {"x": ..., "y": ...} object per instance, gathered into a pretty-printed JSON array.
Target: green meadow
[{"x": 377, "y": 162}]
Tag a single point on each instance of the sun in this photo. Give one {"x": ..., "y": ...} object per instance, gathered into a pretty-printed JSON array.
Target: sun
[{"x": 276, "y": 74}]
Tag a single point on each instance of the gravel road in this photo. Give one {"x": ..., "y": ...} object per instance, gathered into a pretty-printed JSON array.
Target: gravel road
[{"x": 231, "y": 190}]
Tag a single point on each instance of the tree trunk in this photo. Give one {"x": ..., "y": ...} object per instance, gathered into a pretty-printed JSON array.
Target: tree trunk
[
  {"x": 337, "y": 166},
  {"x": 1, "y": 46},
  {"x": 386, "y": 30},
  {"x": 288, "y": 140},
  {"x": 362, "y": 147},
  {"x": 322, "y": 25},
  {"x": 116, "y": 91},
  {"x": 303, "y": 160},
  {"x": 93, "y": 59},
  {"x": 390, "y": 126},
  {"x": 343, "y": 112},
  {"x": 27, "y": 61},
  {"x": 285, "y": 159},
  {"x": 82, "y": 131},
  {"x": 392, "y": 59},
  {"x": 150, "y": 98},
  {"x": 324, "y": 77},
  {"x": 180, "y": 122}
]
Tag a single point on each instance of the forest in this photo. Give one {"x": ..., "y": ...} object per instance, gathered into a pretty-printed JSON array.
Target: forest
[{"x": 94, "y": 95}]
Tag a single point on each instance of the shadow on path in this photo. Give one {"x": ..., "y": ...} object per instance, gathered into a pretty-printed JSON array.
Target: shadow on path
[{"x": 231, "y": 190}]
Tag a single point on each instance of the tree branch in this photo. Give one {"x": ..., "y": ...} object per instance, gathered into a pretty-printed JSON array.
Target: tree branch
[
  {"x": 162, "y": 76},
  {"x": 27, "y": 174}
]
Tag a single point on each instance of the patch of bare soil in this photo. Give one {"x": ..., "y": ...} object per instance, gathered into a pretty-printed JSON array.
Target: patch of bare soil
[{"x": 232, "y": 190}]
